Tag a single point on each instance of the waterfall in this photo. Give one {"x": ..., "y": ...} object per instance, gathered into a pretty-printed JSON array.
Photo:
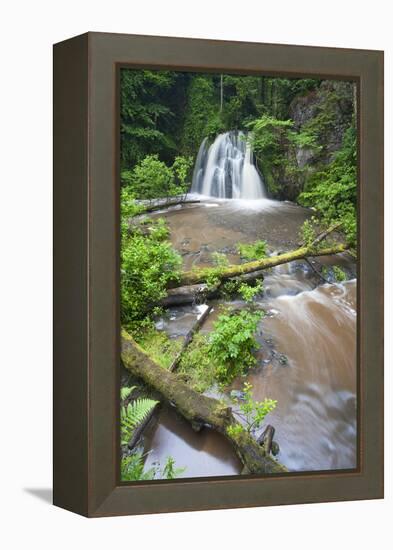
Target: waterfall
[{"x": 226, "y": 169}]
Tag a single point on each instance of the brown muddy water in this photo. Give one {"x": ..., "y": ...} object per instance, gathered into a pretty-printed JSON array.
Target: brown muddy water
[{"x": 307, "y": 358}]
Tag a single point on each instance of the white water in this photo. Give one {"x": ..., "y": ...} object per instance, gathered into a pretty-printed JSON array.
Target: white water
[{"x": 226, "y": 169}]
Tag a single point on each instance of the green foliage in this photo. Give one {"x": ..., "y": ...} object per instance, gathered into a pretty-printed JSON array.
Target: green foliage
[
  {"x": 125, "y": 392},
  {"x": 224, "y": 354},
  {"x": 252, "y": 412},
  {"x": 278, "y": 93},
  {"x": 240, "y": 100},
  {"x": 253, "y": 251},
  {"x": 213, "y": 274},
  {"x": 220, "y": 259},
  {"x": 339, "y": 274},
  {"x": 196, "y": 366},
  {"x": 160, "y": 347},
  {"x": 132, "y": 469},
  {"x": 148, "y": 264},
  {"x": 147, "y": 111},
  {"x": 128, "y": 209},
  {"x": 335, "y": 102},
  {"x": 272, "y": 141},
  {"x": 229, "y": 288},
  {"x": 248, "y": 292},
  {"x": 232, "y": 343},
  {"x": 307, "y": 233},
  {"x": 181, "y": 169},
  {"x": 234, "y": 430},
  {"x": 133, "y": 414},
  {"x": 305, "y": 139},
  {"x": 201, "y": 114},
  {"x": 268, "y": 134},
  {"x": 333, "y": 190},
  {"x": 170, "y": 471},
  {"x": 152, "y": 178}
]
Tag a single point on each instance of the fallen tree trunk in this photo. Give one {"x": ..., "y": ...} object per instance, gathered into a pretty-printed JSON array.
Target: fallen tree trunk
[
  {"x": 187, "y": 341},
  {"x": 199, "y": 293},
  {"x": 266, "y": 438},
  {"x": 317, "y": 273},
  {"x": 324, "y": 234},
  {"x": 166, "y": 204},
  {"x": 200, "y": 276},
  {"x": 190, "y": 336},
  {"x": 197, "y": 408},
  {"x": 185, "y": 295}
]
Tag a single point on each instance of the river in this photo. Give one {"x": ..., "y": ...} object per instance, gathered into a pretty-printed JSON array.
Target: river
[{"x": 307, "y": 358}]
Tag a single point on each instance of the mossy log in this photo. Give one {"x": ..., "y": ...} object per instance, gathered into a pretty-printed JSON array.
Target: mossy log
[
  {"x": 199, "y": 293},
  {"x": 201, "y": 275},
  {"x": 197, "y": 408},
  {"x": 186, "y": 295},
  {"x": 137, "y": 433},
  {"x": 166, "y": 203}
]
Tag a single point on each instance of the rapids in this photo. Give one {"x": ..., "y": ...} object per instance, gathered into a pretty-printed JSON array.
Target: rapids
[{"x": 307, "y": 359}]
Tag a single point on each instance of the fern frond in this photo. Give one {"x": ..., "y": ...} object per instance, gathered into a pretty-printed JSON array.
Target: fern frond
[
  {"x": 132, "y": 415},
  {"x": 126, "y": 392}
]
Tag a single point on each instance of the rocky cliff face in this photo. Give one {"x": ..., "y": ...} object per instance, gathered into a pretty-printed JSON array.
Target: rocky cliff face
[
  {"x": 328, "y": 112},
  {"x": 320, "y": 118}
]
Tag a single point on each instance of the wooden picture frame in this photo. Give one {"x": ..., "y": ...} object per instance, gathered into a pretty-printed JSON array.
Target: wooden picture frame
[{"x": 86, "y": 268}]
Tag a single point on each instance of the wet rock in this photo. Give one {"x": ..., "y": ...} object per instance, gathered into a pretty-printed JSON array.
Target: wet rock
[
  {"x": 275, "y": 448},
  {"x": 283, "y": 360}
]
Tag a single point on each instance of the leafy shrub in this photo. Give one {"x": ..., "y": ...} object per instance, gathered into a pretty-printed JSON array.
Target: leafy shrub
[
  {"x": 252, "y": 412},
  {"x": 253, "y": 251},
  {"x": 234, "y": 430},
  {"x": 307, "y": 233},
  {"x": 229, "y": 288},
  {"x": 147, "y": 110},
  {"x": 201, "y": 114},
  {"x": 212, "y": 277},
  {"x": 181, "y": 169},
  {"x": 248, "y": 292},
  {"x": 148, "y": 263},
  {"x": 232, "y": 343},
  {"x": 169, "y": 470},
  {"x": 132, "y": 469},
  {"x": 129, "y": 208},
  {"x": 332, "y": 191},
  {"x": 339, "y": 274},
  {"x": 152, "y": 178}
]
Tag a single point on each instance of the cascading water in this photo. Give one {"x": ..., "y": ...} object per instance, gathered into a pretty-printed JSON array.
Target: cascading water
[{"x": 226, "y": 169}]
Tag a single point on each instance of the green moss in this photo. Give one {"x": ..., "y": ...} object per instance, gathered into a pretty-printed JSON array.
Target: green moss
[
  {"x": 159, "y": 346},
  {"x": 234, "y": 430},
  {"x": 196, "y": 366}
]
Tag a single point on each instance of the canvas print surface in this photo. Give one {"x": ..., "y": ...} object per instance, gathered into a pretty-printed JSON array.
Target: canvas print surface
[{"x": 238, "y": 275}]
